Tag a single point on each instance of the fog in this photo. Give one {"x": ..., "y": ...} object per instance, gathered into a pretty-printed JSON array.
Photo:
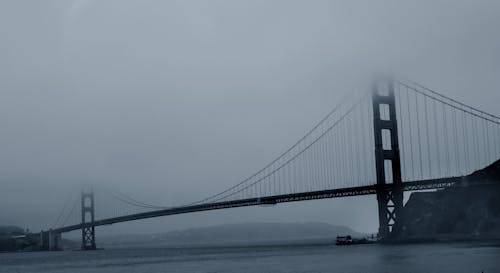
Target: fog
[{"x": 171, "y": 101}]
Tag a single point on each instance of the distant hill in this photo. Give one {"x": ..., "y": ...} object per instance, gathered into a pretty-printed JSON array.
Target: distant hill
[
  {"x": 10, "y": 230},
  {"x": 237, "y": 233}
]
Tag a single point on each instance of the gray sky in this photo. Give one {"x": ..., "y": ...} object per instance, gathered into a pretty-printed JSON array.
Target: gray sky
[{"x": 170, "y": 101}]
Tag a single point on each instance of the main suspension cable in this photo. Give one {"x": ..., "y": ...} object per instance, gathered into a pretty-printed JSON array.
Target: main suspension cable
[
  {"x": 300, "y": 153},
  {"x": 281, "y": 156}
]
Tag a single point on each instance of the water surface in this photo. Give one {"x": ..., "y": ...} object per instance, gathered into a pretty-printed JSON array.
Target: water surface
[{"x": 442, "y": 258}]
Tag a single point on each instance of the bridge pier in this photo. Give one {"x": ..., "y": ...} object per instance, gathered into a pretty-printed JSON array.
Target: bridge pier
[
  {"x": 387, "y": 156},
  {"x": 44, "y": 240},
  {"x": 50, "y": 240},
  {"x": 54, "y": 241},
  {"x": 88, "y": 228}
]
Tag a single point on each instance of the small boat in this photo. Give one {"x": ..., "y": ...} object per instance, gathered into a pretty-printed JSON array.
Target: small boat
[
  {"x": 344, "y": 240},
  {"x": 348, "y": 240}
]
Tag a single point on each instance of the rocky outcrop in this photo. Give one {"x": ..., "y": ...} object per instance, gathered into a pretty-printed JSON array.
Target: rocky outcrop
[{"x": 458, "y": 213}]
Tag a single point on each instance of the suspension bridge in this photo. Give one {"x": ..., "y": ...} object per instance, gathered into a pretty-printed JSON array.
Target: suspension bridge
[{"x": 401, "y": 136}]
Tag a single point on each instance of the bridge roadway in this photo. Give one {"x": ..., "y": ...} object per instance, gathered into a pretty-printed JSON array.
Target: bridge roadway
[{"x": 271, "y": 200}]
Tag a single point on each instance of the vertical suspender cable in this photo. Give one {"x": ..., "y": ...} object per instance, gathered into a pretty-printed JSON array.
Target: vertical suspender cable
[
  {"x": 465, "y": 142},
  {"x": 362, "y": 146},
  {"x": 259, "y": 185},
  {"x": 351, "y": 152},
  {"x": 325, "y": 165},
  {"x": 297, "y": 173},
  {"x": 355, "y": 140},
  {"x": 429, "y": 163},
  {"x": 436, "y": 131},
  {"x": 317, "y": 165},
  {"x": 486, "y": 126},
  {"x": 455, "y": 140},
  {"x": 307, "y": 170},
  {"x": 344, "y": 155},
  {"x": 330, "y": 146},
  {"x": 417, "y": 112},
  {"x": 445, "y": 133},
  {"x": 476, "y": 142},
  {"x": 290, "y": 174}
]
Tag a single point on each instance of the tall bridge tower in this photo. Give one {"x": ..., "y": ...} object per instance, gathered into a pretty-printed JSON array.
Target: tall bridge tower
[
  {"x": 88, "y": 229},
  {"x": 387, "y": 156}
]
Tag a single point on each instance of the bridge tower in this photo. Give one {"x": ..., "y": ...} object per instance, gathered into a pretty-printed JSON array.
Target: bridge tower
[
  {"x": 88, "y": 229},
  {"x": 387, "y": 156}
]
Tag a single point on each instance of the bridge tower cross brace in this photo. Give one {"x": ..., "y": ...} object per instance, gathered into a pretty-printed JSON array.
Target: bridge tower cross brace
[
  {"x": 88, "y": 229},
  {"x": 387, "y": 156}
]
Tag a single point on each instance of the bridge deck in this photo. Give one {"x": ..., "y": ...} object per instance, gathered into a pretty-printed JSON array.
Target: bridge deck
[{"x": 270, "y": 200}]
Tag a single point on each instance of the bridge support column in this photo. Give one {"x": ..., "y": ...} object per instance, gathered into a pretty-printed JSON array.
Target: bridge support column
[
  {"x": 387, "y": 156},
  {"x": 40, "y": 240},
  {"x": 44, "y": 241},
  {"x": 88, "y": 229},
  {"x": 54, "y": 241}
]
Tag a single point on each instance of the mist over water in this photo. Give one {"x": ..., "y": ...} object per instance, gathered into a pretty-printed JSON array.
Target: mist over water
[{"x": 442, "y": 258}]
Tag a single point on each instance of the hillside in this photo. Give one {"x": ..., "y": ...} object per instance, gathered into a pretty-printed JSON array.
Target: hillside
[
  {"x": 454, "y": 214},
  {"x": 237, "y": 233},
  {"x": 6, "y": 242}
]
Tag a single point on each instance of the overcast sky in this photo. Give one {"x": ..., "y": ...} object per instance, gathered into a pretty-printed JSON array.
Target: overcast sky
[{"x": 170, "y": 101}]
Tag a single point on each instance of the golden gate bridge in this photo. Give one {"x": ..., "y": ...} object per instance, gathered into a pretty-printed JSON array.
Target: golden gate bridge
[{"x": 400, "y": 136}]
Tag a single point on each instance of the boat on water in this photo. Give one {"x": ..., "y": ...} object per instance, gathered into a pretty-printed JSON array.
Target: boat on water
[
  {"x": 348, "y": 240},
  {"x": 344, "y": 240}
]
